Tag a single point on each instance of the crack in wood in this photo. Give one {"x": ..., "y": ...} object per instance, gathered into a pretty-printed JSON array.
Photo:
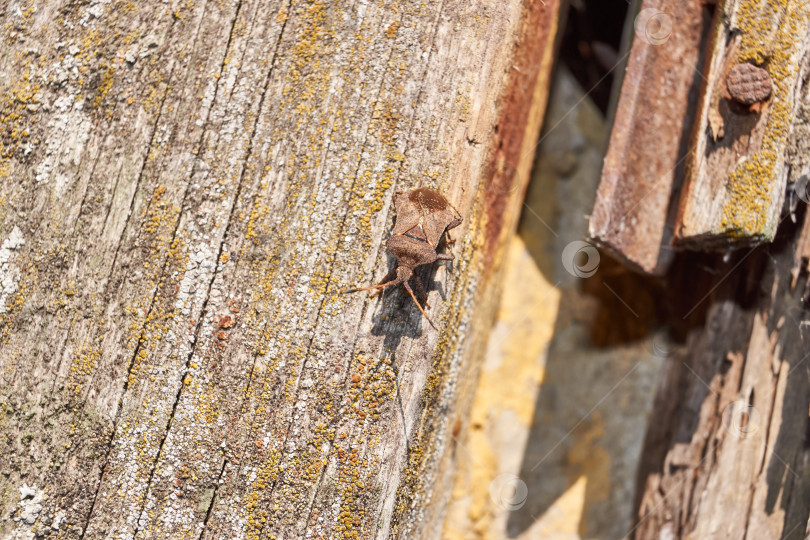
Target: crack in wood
[
  {"x": 152, "y": 301},
  {"x": 119, "y": 406},
  {"x": 210, "y": 508},
  {"x": 223, "y": 242}
]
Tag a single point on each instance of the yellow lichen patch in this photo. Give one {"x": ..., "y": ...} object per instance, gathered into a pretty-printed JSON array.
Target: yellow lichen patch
[
  {"x": 83, "y": 365},
  {"x": 158, "y": 215},
  {"x": 750, "y": 187},
  {"x": 105, "y": 85},
  {"x": 266, "y": 476},
  {"x": 391, "y": 31},
  {"x": 18, "y": 103},
  {"x": 464, "y": 104},
  {"x": 748, "y": 196},
  {"x": 351, "y": 519}
]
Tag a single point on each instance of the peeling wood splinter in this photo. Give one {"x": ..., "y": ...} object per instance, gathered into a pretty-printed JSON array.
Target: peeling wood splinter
[{"x": 423, "y": 216}]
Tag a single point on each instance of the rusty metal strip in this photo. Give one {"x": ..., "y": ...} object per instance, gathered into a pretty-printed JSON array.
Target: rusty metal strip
[{"x": 632, "y": 215}]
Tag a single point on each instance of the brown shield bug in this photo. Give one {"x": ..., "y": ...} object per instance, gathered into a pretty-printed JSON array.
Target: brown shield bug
[{"x": 423, "y": 216}]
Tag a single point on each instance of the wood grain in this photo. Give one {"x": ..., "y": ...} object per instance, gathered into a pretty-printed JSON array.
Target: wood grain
[
  {"x": 729, "y": 457},
  {"x": 634, "y": 212},
  {"x": 737, "y": 174},
  {"x": 186, "y": 186}
]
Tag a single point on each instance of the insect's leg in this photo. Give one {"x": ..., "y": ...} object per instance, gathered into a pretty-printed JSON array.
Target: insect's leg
[
  {"x": 388, "y": 277},
  {"x": 449, "y": 239},
  {"x": 445, "y": 257},
  {"x": 378, "y": 286},
  {"x": 410, "y": 291},
  {"x": 420, "y": 289}
]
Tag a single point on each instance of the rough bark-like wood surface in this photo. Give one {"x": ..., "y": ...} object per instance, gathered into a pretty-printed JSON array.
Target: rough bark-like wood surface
[
  {"x": 186, "y": 186},
  {"x": 726, "y": 452},
  {"x": 726, "y": 455}
]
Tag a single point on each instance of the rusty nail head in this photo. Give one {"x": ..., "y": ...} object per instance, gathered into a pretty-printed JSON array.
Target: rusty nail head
[{"x": 748, "y": 84}]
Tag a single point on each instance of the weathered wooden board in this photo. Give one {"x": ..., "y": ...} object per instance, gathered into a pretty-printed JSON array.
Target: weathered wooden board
[
  {"x": 186, "y": 186},
  {"x": 736, "y": 175},
  {"x": 729, "y": 457},
  {"x": 725, "y": 455},
  {"x": 634, "y": 212}
]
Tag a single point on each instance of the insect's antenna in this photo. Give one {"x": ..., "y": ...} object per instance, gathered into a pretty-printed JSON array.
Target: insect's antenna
[
  {"x": 380, "y": 286},
  {"x": 408, "y": 288},
  {"x": 454, "y": 208}
]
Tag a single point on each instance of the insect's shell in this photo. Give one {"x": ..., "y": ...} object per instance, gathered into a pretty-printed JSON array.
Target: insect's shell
[{"x": 424, "y": 214}]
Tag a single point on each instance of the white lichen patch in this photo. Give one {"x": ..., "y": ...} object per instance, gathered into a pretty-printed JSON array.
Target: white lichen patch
[
  {"x": 194, "y": 285},
  {"x": 9, "y": 273},
  {"x": 29, "y": 508},
  {"x": 68, "y": 131}
]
